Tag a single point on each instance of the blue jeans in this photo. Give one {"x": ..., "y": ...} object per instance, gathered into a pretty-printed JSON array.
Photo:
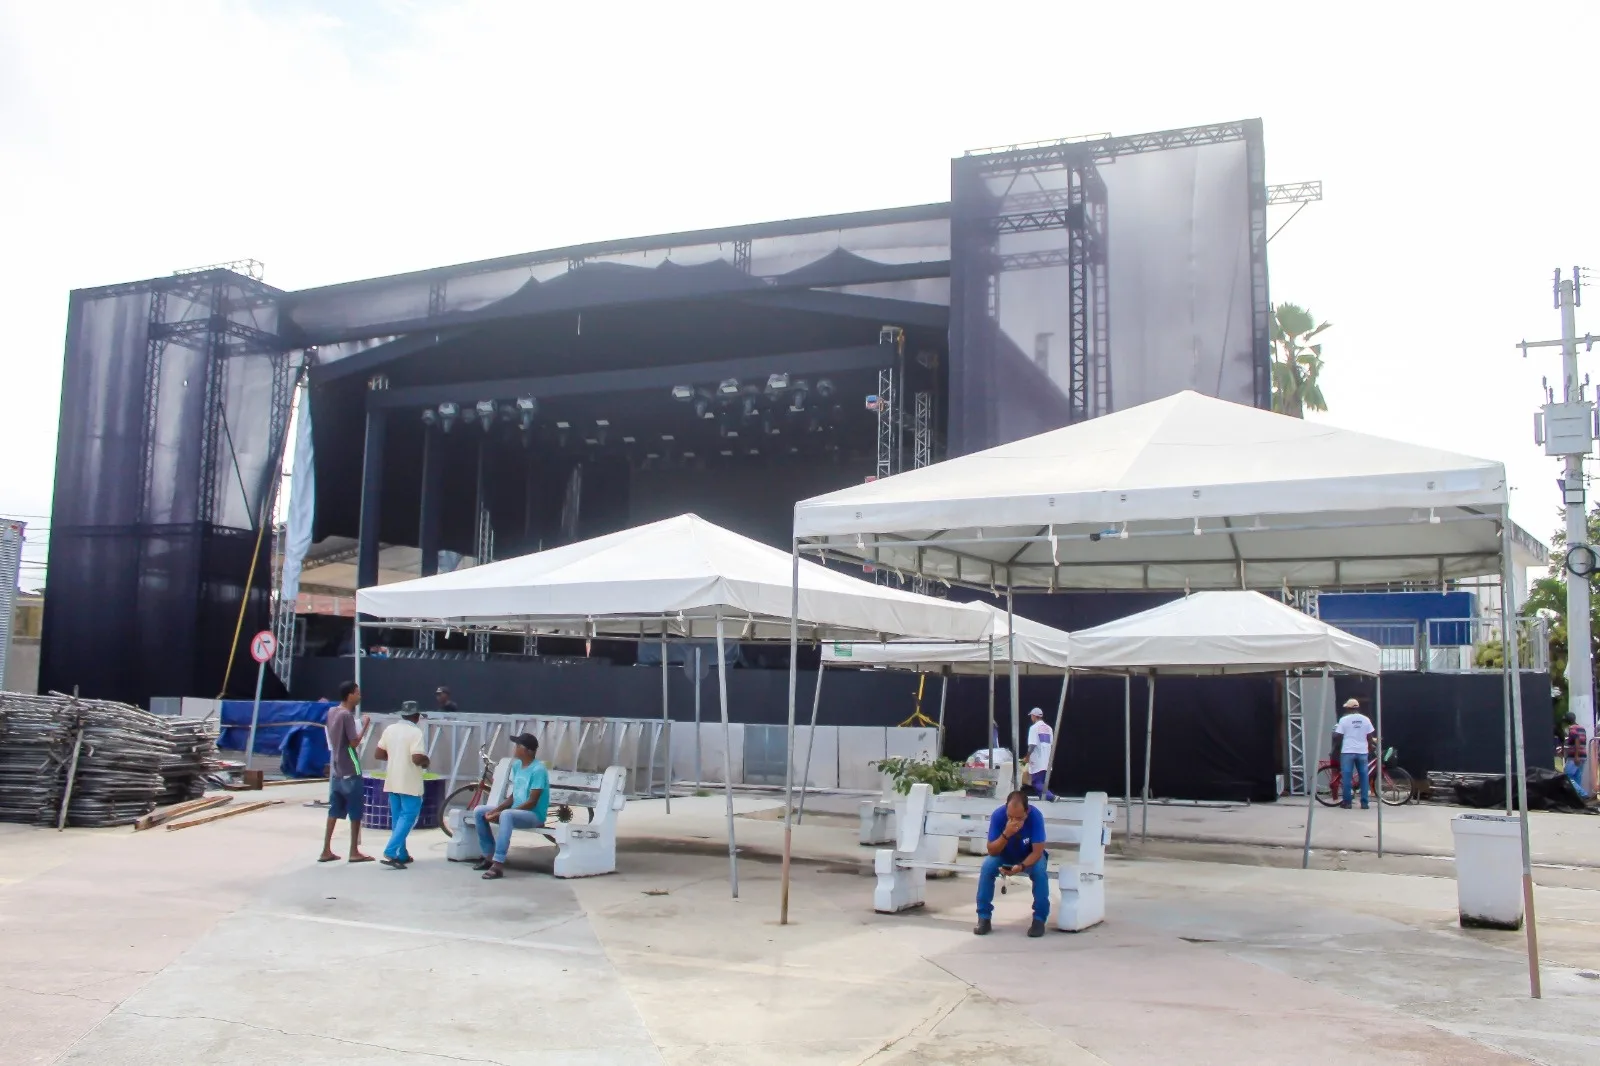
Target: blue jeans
[
  {"x": 403, "y": 814},
  {"x": 1575, "y": 773},
  {"x": 1035, "y": 873},
  {"x": 497, "y": 840},
  {"x": 1350, "y": 762}
]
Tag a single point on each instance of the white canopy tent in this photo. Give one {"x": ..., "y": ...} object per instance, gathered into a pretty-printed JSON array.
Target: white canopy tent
[
  {"x": 1188, "y": 492},
  {"x": 681, "y": 578},
  {"x": 1221, "y": 633},
  {"x": 1029, "y": 648}
]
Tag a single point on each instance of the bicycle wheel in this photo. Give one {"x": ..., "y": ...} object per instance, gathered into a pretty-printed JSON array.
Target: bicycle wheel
[
  {"x": 1396, "y": 790},
  {"x": 1327, "y": 786},
  {"x": 463, "y": 798}
]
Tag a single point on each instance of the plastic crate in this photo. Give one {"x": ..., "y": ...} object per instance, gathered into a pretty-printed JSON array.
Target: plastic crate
[{"x": 375, "y": 810}]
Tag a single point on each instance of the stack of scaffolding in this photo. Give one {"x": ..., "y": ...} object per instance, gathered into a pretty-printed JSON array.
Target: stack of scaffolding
[
  {"x": 194, "y": 755},
  {"x": 116, "y": 761}
]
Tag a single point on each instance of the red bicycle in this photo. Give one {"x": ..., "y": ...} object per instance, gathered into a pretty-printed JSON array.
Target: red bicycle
[{"x": 1394, "y": 788}]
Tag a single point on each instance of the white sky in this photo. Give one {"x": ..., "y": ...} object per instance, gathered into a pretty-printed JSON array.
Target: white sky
[{"x": 336, "y": 141}]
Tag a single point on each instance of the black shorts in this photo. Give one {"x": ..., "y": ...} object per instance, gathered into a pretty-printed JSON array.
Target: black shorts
[{"x": 346, "y": 797}]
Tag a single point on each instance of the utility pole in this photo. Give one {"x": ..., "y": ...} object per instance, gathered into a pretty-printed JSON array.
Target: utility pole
[{"x": 1567, "y": 431}]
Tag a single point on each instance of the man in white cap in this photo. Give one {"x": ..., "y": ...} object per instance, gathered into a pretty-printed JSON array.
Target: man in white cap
[
  {"x": 1355, "y": 728},
  {"x": 1040, "y": 740}
]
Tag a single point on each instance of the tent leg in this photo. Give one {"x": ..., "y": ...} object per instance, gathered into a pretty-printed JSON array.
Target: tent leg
[
  {"x": 1149, "y": 729},
  {"x": 1377, "y": 786},
  {"x": 944, "y": 690},
  {"x": 727, "y": 759},
  {"x": 699, "y": 776},
  {"x": 1508, "y": 637},
  {"x": 811, "y": 742},
  {"x": 990, "y": 738},
  {"x": 788, "y": 744},
  {"x": 1016, "y": 692},
  {"x": 666, "y": 727},
  {"x": 1308, "y": 764},
  {"x": 1055, "y": 738},
  {"x": 1505, "y": 698},
  {"x": 358, "y": 657},
  {"x": 1127, "y": 753}
]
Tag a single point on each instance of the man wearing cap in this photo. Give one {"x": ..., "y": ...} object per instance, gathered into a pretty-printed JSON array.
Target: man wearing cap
[
  {"x": 402, "y": 747},
  {"x": 1356, "y": 729},
  {"x": 1040, "y": 741},
  {"x": 442, "y": 700},
  {"x": 525, "y": 806}
]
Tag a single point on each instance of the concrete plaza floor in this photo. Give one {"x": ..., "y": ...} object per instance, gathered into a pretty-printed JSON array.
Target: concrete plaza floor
[{"x": 226, "y": 943}]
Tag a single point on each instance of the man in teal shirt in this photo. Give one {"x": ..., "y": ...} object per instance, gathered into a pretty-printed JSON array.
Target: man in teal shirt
[{"x": 525, "y": 806}]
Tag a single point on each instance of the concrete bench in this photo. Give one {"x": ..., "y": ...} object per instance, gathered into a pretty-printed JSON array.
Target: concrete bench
[
  {"x": 582, "y": 849},
  {"x": 1083, "y": 824}
]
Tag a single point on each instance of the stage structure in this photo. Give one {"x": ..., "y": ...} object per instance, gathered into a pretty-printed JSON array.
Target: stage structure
[{"x": 472, "y": 412}]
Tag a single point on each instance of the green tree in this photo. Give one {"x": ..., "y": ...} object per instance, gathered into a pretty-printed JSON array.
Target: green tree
[
  {"x": 1296, "y": 362},
  {"x": 1548, "y": 597}
]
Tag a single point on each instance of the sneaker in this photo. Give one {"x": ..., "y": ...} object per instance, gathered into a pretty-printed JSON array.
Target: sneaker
[
  {"x": 1037, "y": 928},
  {"x": 1344, "y": 806},
  {"x": 982, "y": 928},
  {"x": 1365, "y": 807}
]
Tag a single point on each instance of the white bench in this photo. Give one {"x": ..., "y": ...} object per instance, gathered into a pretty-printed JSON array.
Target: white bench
[
  {"x": 582, "y": 849},
  {"x": 1084, "y": 824}
]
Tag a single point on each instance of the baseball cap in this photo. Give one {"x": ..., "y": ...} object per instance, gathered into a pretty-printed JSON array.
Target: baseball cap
[
  {"x": 1036, "y": 713},
  {"x": 526, "y": 740},
  {"x": 1352, "y": 704}
]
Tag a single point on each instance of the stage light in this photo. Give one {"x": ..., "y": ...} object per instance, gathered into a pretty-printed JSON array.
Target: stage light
[
  {"x": 563, "y": 425},
  {"x": 485, "y": 409},
  {"x": 749, "y": 408},
  {"x": 873, "y": 403},
  {"x": 683, "y": 392},
  {"x": 702, "y": 408},
  {"x": 797, "y": 398},
  {"x": 667, "y": 437},
  {"x": 448, "y": 413},
  {"x": 602, "y": 422},
  {"x": 688, "y": 455},
  {"x": 430, "y": 417},
  {"x": 627, "y": 440},
  {"x": 777, "y": 382},
  {"x": 527, "y": 407},
  {"x": 824, "y": 389},
  {"x": 727, "y": 451},
  {"x": 729, "y": 387}
]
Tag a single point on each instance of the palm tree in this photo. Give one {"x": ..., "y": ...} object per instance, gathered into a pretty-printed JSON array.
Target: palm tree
[{"x": 1296, "y": 363}]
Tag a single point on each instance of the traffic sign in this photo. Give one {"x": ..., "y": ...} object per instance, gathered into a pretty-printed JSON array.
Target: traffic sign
[{"x": 262, "y": 645}]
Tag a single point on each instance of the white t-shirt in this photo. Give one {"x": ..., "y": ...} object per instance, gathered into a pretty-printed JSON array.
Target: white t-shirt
[
  {"x": 1039, "y": 741},
  {"x": 1355, "y": 727},
  {"x": 402, "y": 740}
]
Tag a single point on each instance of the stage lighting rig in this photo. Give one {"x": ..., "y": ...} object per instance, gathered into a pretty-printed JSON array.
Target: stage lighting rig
[
  {"x": 777, "y": 382},
  {"x": 430, "y": 417},
  {"x": 486, "y": 412},
  {"x": 825, "y": 390},
  {"x": 448, "y": 413},
  {"x": 797, "y": 398},
  {"x": 729, "y": 387},
  {"x": 683, "y": 392}
]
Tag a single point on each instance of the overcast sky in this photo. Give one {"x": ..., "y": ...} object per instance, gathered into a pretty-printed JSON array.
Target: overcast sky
[{"x": 341, "y": 140}]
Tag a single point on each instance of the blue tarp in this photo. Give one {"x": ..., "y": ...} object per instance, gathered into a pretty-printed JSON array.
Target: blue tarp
[
  {"x": 305, "y": 751},
  {"x": 276, "y": 717}
]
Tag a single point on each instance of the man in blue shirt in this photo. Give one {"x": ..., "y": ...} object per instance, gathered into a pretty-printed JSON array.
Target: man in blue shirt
[
  {"x": 1016, "y": 846},
  {"x": 525, "y": 806}
]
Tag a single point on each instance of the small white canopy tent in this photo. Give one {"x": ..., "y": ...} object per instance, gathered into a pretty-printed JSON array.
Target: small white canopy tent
[
  {"x": 680, "y": 578},
  {"x": 1028, "y": 647},
  {"x": 1221, "y": 633},
  {"x": 1189, "y": 492}
]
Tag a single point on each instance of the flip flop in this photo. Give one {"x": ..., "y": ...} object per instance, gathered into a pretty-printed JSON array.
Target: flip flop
[
  {"x": 393, "y": 864},
  {"x": 329, "y": 858},
  {"x": 363, "y": 858},
  {"x": 493, "y": 874}
]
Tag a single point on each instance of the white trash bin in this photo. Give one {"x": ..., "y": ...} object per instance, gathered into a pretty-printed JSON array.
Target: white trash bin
[{"x": 1488, "y": 870}]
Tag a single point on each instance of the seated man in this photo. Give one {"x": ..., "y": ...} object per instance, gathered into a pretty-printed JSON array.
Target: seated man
[
  {"x": 527, "y": 802},
  {"x": 1016, "y": 846}
]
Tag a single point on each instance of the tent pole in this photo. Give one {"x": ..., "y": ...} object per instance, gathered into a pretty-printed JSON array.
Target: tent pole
[
  {"x": 1016, "y": 691},
  {"x": 699, "y": 776},
  {"x": 1308, "y": 764},
  {"x": 1505, "y": 701},
  {"x": 666, "y": 723},
  {"x": 1377, "y": 786},
  {"x": 358, "y": 656},
  {"x": 811, "y": 742},
  {"x": 944, "y": 690},
  {"x": 727, "y": 757},
  {"x": 1508, "y": 636},
  {"x": 1055, "y": 738},
  {"x": 1149, "y": 730},
  {"x": 990, "y": 738},
  {"x": 1127, "y": 752},
  {"x": 788, "y": 742}
]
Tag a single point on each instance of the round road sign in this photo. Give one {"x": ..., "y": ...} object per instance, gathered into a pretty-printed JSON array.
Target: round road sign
[{"x": 262, "y": 645}]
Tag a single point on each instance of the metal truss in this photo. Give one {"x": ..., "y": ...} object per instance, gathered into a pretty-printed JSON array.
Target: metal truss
[
  {"x": 250, "y": 268},
  {"x": 283, "y": 610},
  {"x": 1294, "y": 707},
  {"x": 922, "y": 431},
  {"x": 1056, "y": 155},
  {"x": 436, "y": 296},
  {"x": 1260, "y": 296},
  {"x": 741, "y": 255},
  {"x": 212, "y": 434},
  {"x": 485, "y": 551},
  {"x": 886, "y": 423},
  {"x": 1088, "y": 336},
  {"x": 1039, "y": 260},
  {"x": 1295, "y": 192}
]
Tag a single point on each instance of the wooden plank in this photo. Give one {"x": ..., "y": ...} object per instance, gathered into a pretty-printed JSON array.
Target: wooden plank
[
  {"x": 229, "y": 813},
  {"x": 181, "y": 810},
  {"x": 293, "y": 781}
]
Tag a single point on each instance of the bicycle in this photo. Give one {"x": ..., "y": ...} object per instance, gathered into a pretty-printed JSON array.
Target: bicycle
[
  {"x": 471, "y": 796},
  {"x": 1394, "y": 788}
]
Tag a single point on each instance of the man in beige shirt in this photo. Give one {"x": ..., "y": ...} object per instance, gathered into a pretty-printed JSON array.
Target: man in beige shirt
[{"x": 402, "y": 747}]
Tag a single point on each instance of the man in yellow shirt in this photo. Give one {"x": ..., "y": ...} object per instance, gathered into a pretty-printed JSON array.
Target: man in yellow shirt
[{"x": 402, "y": 747}]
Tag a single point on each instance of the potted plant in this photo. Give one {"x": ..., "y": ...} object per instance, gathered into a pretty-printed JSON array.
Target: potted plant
[{"x": 941, "y": 775}]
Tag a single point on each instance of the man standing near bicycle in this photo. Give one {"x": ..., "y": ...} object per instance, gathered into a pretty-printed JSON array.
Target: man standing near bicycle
[
  {"x": 525, "y": 806},
  {"x": 1356, "y": 730}
]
